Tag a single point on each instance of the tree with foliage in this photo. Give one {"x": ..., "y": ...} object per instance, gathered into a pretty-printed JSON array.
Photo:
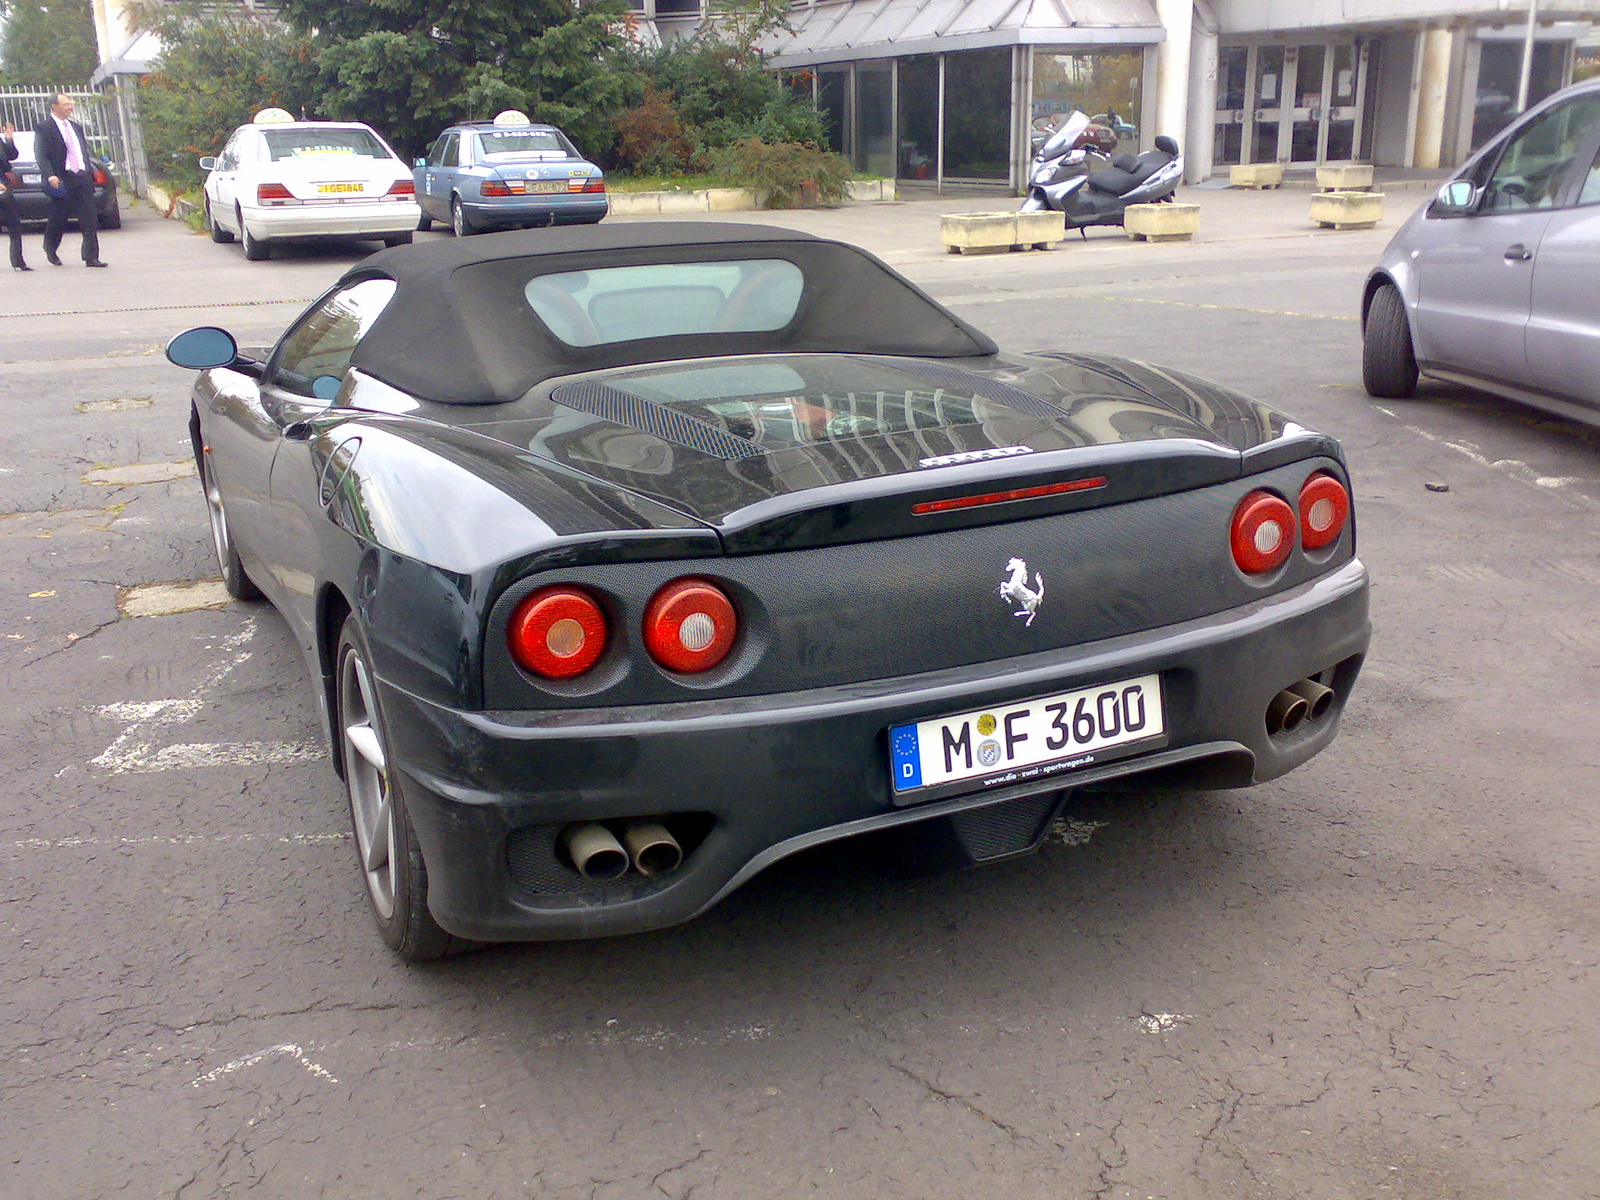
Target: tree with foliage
[
  {"x": 49, "y": 43},
  {"x": 410, "y": 67},
  {"x": 216, "y": 70}
]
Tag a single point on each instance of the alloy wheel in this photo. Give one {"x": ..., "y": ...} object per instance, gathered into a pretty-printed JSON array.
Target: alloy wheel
[{"x": 366, "y": 773}]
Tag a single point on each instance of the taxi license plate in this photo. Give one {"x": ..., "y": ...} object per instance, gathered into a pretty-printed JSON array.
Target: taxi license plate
[
  {"x": 30, "y": 177},
  {"x": 1022, "y": 741},
  {"x": 547, "y": 185},
  {"x": 329, "y": 189}
]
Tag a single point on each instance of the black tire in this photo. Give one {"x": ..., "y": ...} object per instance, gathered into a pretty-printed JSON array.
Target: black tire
[
  {"x": 1388, "y": 361},
  {"x": 235, "y": 580},
  {"x": 111, "y": 218},
  {"x": 460, "y": 223},
  {"x": 387, "y": 851},
  {"x": 219, "y": 235},
  {"x": 424, "y": 223},
  {"x": 255, "y": 249},
  {"x": 397, "y": 239}
]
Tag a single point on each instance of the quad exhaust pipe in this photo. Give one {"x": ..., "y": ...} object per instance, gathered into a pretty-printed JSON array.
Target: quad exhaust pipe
[
  {"x": 1298, "y": 703},
  {"x": 647, "y": 846}
]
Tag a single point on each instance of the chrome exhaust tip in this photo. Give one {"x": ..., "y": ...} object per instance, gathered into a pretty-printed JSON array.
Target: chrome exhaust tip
[
  {"x": 1319, "y": 698},
  {"x": 1286, "y": 711},
  {"x": 653, "y": 850},
  {"x": 595, "y": 851}
]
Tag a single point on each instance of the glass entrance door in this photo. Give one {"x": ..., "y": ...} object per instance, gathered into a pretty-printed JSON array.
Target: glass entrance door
[
  {"x": 1266, "y": 87},
  {"x": 1306, "y": 82},
  {"x": 1289, "y": 104}
]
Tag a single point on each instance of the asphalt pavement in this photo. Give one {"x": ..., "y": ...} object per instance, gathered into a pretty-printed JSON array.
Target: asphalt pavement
[{"x": 1373, "y": 979}]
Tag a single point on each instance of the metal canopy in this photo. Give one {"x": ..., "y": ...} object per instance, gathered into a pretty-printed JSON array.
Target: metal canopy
[{"x": 856, "y": 29}]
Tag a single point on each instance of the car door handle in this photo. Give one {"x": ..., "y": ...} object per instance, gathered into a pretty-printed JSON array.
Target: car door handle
[{"x": 1518, "y": 253}]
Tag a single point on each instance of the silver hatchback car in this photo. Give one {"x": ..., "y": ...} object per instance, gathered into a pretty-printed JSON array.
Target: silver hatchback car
[{"x": 1496, "y": 283}]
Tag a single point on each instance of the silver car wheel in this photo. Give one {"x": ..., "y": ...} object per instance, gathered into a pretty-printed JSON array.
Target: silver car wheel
[
  {"x": 366, "y": 776},
  {"x": 219, "y": 522}
]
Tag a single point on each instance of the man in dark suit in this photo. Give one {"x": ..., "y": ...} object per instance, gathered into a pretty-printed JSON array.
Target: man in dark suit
[{"x": 63, "y": 152}]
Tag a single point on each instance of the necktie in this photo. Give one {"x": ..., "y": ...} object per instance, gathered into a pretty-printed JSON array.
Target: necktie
[{"x": 74, "y": 150}]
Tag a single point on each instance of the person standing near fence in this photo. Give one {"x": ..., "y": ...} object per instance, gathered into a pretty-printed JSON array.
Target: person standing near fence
[
  {"x": 63, "y": 152},
  {"x": 9, "y": 216}
]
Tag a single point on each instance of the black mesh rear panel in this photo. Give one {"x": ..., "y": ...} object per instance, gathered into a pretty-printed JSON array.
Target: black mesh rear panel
[
  {"x": 957, "y": 380},
  {"x": 668, "y": 424},
  {"x": 1004, "y": 829}
]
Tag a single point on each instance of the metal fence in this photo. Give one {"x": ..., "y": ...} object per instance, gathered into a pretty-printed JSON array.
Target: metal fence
[
  {"x": 25, "y": 108},
  {"x": 109, "y": 118}
]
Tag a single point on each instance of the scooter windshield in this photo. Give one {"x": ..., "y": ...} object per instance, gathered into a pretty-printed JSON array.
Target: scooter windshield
[{"x": 1066, "y": 134}]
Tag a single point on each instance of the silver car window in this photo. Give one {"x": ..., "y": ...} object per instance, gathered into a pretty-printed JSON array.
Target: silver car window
[
  {"x": 1590, "y": 193},
  {"x": 312, "y": 358},
  {"x": 1538, "y": 159}
]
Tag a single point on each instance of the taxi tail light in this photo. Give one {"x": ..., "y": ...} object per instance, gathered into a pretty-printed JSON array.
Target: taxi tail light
[
  {"x": 558, "y": 632},
  {"x": 494, "y": 187},
  {"x": 1263, "y": 532},
  {"x": 403, "y": 187},
  {"x": 690, "y": 625},
  {"x": 1324, "y": 511},
  {"x": 586, "y": 185},
  {"x": 267, "y": 193},
  {"x": 100, "y": 177}
]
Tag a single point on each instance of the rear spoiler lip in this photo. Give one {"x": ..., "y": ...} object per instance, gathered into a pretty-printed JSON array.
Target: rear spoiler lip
[{"x": 871, "y": 509}]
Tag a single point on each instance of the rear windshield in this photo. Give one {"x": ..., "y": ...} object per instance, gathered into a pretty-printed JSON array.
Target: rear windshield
[
  {"x": 314, "y": 143},
  {"x": 797, "y": 401},
  {"x": 500, "y": 145},
  {"x": 620, "y": 304}
]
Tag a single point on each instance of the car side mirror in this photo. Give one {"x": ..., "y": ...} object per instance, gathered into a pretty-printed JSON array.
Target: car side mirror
[
  {"x": 419, "y": 162},
  {"x": 1455, "y": 199},
  {"x": 203, "y": 348},
  {"x": 208, "y": 163}
]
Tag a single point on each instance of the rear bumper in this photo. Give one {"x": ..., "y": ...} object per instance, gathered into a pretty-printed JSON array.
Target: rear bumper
[
  {"x": 385, "y": 218},
  {"x": 538, "y": 210},
  {"x": 772, "y": 775}
]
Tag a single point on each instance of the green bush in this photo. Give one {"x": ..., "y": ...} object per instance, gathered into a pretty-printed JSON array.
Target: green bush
[
  {"x": 794, "y": 174},
  {"x": 216, "y": 71}
]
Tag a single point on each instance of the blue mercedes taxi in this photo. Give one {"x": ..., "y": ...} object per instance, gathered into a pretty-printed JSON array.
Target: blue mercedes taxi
[{"x": 508, "y": 173}]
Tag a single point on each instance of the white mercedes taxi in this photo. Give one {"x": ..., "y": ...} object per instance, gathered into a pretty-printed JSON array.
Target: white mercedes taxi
[{"x": 280, "y": 180}]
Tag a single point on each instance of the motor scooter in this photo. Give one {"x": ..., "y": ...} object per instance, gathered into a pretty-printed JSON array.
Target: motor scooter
[
  {"x": 1070, "y": 152},
  {"x": 1101, "y": 195}
]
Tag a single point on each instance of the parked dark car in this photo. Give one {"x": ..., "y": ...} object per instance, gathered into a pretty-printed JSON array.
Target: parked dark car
[
  {"x": 628, "y": 561},
  {"x": 1493, "y": 283},
  {"x": 34, "y": 205}
]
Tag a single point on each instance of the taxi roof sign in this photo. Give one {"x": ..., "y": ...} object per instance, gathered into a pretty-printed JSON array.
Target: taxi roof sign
[
  {"x": 512, "y": 116},
  {"x": 273, "y": 116}
]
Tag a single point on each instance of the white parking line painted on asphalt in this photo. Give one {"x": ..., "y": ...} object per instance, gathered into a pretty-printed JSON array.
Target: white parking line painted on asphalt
[
  {"x": 135, "y": 751},
  {"x": 287, "y": 1049},
  {"x": 180, "y": 839},
  {"x": 1513, "y": 467}
]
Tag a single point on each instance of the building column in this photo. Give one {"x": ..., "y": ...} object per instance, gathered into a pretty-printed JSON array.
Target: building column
[
  {"x": 1172, "y": 68},
  {"x": 1199, "y": 143},
  {"x": 1433, "y": 92}
]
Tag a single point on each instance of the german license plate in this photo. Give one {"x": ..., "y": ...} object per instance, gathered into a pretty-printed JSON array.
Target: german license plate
[
  {"x": 30, "y": 177},
  {"x": 1022, "y": 741},
  {"x": 547, "y": 185},
  {"x": 330, "y": 189}
]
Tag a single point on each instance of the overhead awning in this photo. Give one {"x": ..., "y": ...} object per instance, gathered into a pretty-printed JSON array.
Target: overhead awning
[{"x": 845, "y": 30}]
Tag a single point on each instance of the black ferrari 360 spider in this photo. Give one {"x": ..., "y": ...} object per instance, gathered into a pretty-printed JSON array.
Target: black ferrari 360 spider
[{"x": 628, "y": 560}]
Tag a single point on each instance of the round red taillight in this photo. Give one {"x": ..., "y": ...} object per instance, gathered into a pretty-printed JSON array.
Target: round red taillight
[
  {"x": 1263, "y": 532},
  {"x": 1324, "y": 509},
  {"x": 557, "y": 632},
  {"x": 690, "y": 625}
]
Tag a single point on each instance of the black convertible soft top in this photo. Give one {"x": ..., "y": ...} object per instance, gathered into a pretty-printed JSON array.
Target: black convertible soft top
[{"x": 460, "y": 329}]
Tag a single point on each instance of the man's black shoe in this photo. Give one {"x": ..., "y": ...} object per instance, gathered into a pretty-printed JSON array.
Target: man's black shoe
[
  {"x": 53, "y": 259},
  {"x": 93, "y": 262}
]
